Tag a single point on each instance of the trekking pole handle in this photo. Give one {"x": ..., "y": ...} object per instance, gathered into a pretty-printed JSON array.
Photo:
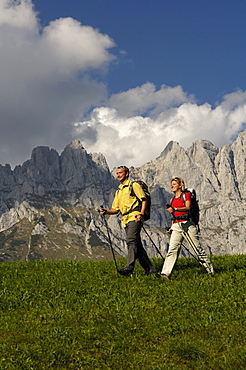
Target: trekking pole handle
[
  {"x": 169, "y": 206},
  {"x": 102, "y": 208}
]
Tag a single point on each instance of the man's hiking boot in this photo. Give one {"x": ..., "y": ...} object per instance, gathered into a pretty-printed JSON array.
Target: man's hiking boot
[
  {"x": 124, "y": 272},
  {"x": 152, "y": 270}
]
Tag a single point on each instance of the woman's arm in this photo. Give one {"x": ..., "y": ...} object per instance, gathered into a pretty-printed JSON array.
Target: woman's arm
[{"x": 184, "y": 208}]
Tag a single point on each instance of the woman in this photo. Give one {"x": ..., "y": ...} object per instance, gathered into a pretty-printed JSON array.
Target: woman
[{"x": 182, "y": 228}]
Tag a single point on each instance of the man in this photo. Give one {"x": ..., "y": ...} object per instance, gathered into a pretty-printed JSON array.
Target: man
[{"x": 132, "y": 220}]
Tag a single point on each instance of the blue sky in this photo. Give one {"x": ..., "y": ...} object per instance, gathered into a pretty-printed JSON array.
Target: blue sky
[
  {"x": 108, "y": 71},
  {"x": 198, "y": 44}
]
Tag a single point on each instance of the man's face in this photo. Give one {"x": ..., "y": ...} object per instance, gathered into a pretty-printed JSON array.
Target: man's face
[{"x": 121, "y": 174}]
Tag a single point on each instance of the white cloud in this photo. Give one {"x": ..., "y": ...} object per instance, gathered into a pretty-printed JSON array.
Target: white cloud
[
  {"x": 78, "y": 47},
  {"x": 136, "y": 140},
  {"x": 46, "y": 85},
  {"x": 44, "y": 78},
  {"x": 18, "y": 14},
  {"x": 146, "y": 99}
]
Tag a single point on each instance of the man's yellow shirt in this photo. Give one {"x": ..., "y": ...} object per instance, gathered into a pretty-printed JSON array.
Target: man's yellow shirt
[{"x": 124, "y": 202}]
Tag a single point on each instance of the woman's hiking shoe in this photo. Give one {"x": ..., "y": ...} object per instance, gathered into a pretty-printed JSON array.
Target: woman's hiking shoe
[{"x": 163, "y": 276}]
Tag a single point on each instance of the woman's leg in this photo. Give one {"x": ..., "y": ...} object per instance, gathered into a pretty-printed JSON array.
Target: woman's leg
[
  {"x": 173, "y": 250},
  {"x": 192, "y": 237}
]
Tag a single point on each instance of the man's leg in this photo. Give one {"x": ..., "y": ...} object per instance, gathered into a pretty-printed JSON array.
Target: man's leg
[
  {"x": 131, "y": 230},
  {"x": 141, "y": 252},
  {"x": 135, "y": 248}
]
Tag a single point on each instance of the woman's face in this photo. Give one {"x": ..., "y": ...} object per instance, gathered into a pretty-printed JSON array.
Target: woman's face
[{"x": 175, "y": 186}]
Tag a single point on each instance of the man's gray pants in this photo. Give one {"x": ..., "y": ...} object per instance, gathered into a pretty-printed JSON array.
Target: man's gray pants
[{"x": 135, "y": 247}]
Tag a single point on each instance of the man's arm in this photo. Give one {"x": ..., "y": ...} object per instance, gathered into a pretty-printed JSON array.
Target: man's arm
[
  {"x": 111, "y": 211},
  {"x": 143, "y": 208}
]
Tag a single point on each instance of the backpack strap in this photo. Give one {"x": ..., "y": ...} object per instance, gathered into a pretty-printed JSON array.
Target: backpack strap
[
  {"x": 182, "y": 196},
  {"x": 132, "y": 194}
]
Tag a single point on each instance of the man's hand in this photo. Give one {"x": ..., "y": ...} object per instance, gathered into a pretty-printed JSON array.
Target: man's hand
[
  {"x": 103, "y": 211},
  {"x": 138, "y": 218}
]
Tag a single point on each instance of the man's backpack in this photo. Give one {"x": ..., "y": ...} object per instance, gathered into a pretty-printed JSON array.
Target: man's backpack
[
  {"x": 194, "y": 213},
  {"x": 147, "y": 196}
]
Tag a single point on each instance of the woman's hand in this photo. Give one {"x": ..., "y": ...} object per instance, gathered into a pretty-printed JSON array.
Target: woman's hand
[
  {"x": 169, "y": 230},
  {"x": 170, "y": 209}
]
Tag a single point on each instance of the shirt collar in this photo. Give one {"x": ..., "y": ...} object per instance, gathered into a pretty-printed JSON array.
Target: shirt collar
[{"x": 125, "y": 185}]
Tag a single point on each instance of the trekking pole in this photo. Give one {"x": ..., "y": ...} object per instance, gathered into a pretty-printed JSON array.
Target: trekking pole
[
  {"x": 110, "y": 243},
  {"x": 192, "y": 255},
  {"x": 189, "y": 240},
  {"x": 187, "y": 237},
  {"x": 153, "y": 243},
  {"x": 205, "y": 265},
  {"x": 182, "y": 245}
]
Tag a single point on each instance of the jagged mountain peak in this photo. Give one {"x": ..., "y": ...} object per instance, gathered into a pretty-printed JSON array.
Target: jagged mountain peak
[
  {"x": 75, "y": 144},
  {"x": 204, "y": 145},
  {"x": 43, "y": 155},
  {"x": 171, "y": 146},
  {"x": 47, "y": 176}
]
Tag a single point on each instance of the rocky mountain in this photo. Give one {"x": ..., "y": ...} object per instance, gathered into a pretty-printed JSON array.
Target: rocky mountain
[{"x": 49, "y": 205}]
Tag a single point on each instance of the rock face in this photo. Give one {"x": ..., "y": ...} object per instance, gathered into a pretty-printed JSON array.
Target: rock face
[
  {"x": 218, "y": 175},
  {"x": 49, "y": 205},
  {"x": 74, "y": 176}
]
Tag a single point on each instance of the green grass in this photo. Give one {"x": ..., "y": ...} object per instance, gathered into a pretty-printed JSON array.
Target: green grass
[{"x": 82, "y": 315}]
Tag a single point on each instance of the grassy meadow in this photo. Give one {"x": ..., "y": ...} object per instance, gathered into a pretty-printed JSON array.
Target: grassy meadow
[{"x": 82, "y": 315}]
